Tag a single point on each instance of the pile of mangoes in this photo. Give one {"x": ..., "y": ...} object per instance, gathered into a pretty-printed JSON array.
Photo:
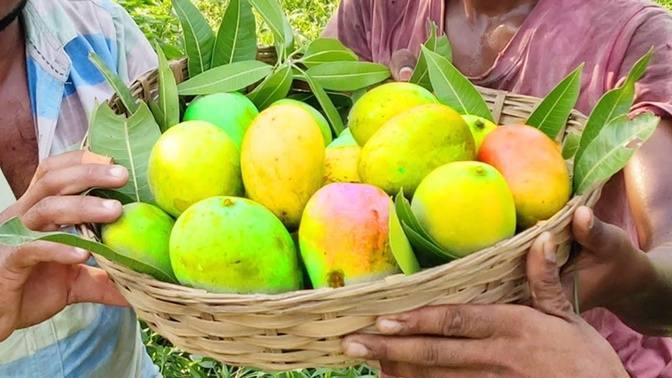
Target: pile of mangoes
[{"x": 254, "y": 202}]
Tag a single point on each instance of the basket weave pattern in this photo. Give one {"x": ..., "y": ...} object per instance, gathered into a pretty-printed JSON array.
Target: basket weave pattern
[{"x": 304, "y": 329}]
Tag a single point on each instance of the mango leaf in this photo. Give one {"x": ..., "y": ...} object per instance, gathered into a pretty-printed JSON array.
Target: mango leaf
[
  {"x": 275, "y": 87},
  {"x": 198, "y": 36},
  {"x": 437, "y": 44},
  {"x": 552, "y": 113},
  {"x": 612, "y": 149},
  {"x": 348, "y": 76},
  {"x": 327, "y": 105},
  {"x": 228, "y": 78},
  {"x": 326, "y": 50},
  {"x": 399, "y": 244},
  {"x": 168, "y": 101},
  {"x": 273, "y": 15},
  {"x": 571, "y": 145},
  {"x": 122, "y": 91},
  {"x": 14, "y": 234},
  {"x": 614, "y": 104},
  {"x": 129, "y": 142},
  {"x": 111, "y": 194},
  {"x": 172, "y": 52},
  {"x": 237, "y": 36},
  {"x": 454, "y": 89}
]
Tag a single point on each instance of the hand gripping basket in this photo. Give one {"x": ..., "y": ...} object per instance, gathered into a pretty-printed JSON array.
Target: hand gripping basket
[{"x": 304, "y": 329}]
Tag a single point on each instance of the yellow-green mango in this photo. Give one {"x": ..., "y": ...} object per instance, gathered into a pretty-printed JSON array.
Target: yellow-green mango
[
  {"x": 411, "y": 145},
  {"x": 193, "y": 161},
  {"x": 342, "y": 159},
  {"x": 141, "y": 233},
  {"x": 282, "y": 160},
  {"x": 233, "y": 245},
  {"x": 319, "y": 118},
  {"x": 465, "y": 207},
  {"x": 344, "y": 236},
  {"x": 480, "y": 128},
  {"x": 380, "y": 104}
]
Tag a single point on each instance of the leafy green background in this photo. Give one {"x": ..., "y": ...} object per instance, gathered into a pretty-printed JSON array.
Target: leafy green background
[{"x": 154, "y": 17}]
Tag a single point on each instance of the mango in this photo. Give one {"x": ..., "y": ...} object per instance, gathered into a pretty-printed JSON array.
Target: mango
[
  {"x": 319, "y": 118},
  {"x": 465, "y": 207},
  {"x": 232, "y": 112},
  {"x": 193, "y": 161},
  {"x": 141, "y": 233},
  {"x": 382, "y": 103},
  {"x": 233, "y": 245},
  {"x": 342, "y": 159},
  {"x": 534, "y": 168},
  {"x": 282, "y": 160},
  {"x": 344, "y": 236},
  {"x": 480, "y": 128},
  {"x": 411, "y": 145}
]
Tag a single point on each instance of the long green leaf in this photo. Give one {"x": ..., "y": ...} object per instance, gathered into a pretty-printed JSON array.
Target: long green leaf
[
  {"x": 237, "y": 36},
  {"x": 122, "y": 91},
  {"x": 168, "y": 101},
  {"x": 614, "y": 104},
  {"x": 612, "y": 149},
  {"x": 437, "y": 44},
  {"x": 552, "y": 113},
  {"x": 399, "y": 244},
  {"x": 327, "y": 50},
  {"x": 348, "y": 76},
  {"x": 571, "y": 145},
  {"x": 273, "y": 15},
  {"x": 275, "y": 87},
  {"x": 198, "y": 36},
  {"x": 454, "y": 89},
  {"x": 129, "y": 142},
  {"x": 14, "y": 234},
  {"x": 327, "y": 105},
  {"x": 228, "y": 78}
]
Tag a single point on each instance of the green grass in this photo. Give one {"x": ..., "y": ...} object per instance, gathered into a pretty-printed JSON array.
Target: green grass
[{"x": 308, "y": 17}]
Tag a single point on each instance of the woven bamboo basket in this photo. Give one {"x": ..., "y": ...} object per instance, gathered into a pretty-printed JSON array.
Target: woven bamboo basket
[{"x": 304, "y": 329}]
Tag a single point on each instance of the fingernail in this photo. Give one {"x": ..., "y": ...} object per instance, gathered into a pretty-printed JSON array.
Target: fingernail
[
  {"x": 354, "y": 349},
  {"x": 389, "y": 327},
  {"x": 549, "y": 253},
  {"x": 80, "y": 253},
  {"x": 117, "y": 171},
  {"x": 406, "y": 73},
  {"x": 111, "y": 204}
]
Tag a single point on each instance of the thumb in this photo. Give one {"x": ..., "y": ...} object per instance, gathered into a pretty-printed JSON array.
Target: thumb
[
  {"x": 402, "y": 65},
  {"x": 544, "y": 279},
  {"x": 595, "y": 235}
]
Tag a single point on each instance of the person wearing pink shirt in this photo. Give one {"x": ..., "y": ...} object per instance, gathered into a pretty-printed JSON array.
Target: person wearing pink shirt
[{"x": 625, "y": 265}]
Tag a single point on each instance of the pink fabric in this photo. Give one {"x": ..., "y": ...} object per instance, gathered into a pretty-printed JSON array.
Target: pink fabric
[{"x": 607, "y": 35}]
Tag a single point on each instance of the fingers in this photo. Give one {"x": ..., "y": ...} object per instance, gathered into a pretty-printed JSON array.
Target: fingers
[
  {"x": 79, "y": 178},
  {"x": 469, "y": 321},
  {"x": 402, "y": 65},
  {"x": 21, "y": 260},
  {"x": 422, "y": 351},
  {"x": 93, "y": 285},
  {"x": 51, "y": 213},
  {"x": 544, "y": 279},
  {"x": 391, "y": 369},
  {"x": 68, "y": 159},
  {"x": 597, "y": 236}
]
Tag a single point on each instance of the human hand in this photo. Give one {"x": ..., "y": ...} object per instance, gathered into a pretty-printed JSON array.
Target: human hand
[
  {"x": 402, "y": 65},
  {"x": 39, "y": 279},
  {"x": 493, "y": 340}
]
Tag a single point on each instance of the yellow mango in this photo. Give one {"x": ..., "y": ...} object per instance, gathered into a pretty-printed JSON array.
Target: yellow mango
[{"x": 341, "y": 160}]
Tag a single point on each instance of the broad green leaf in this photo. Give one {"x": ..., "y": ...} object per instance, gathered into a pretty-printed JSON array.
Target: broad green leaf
[
  {"x": 615, "y": 103},
  {"x": 168, "y": 101},
  {"x": 172, "y": 52},
  {"x": 130, "y": 103},
  {"x": 326, "y": 50},
  {"x": 129, "y": 142},
  {"x": 571, "y": 145},
  {"x": 399, "y": 244},
  {"x": 237, "y": 36},
  {"x": 552, "y": 113},
  {"x": 454, "y": 89},
  {"x": 274, "y": 16},
  {"x": 14, "y": 234},
  {"x": 327, "y": 105},
  {"x": 111, "y": 194},
  {"x": 612, "y": 149},
  {"x": 228, "y": 78},
  {"x": 348, "y": 76},
  {"x": 198, "y": 36},
  {"x": 439, "y": 45},
  {"x": 275, "y": 87}
]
